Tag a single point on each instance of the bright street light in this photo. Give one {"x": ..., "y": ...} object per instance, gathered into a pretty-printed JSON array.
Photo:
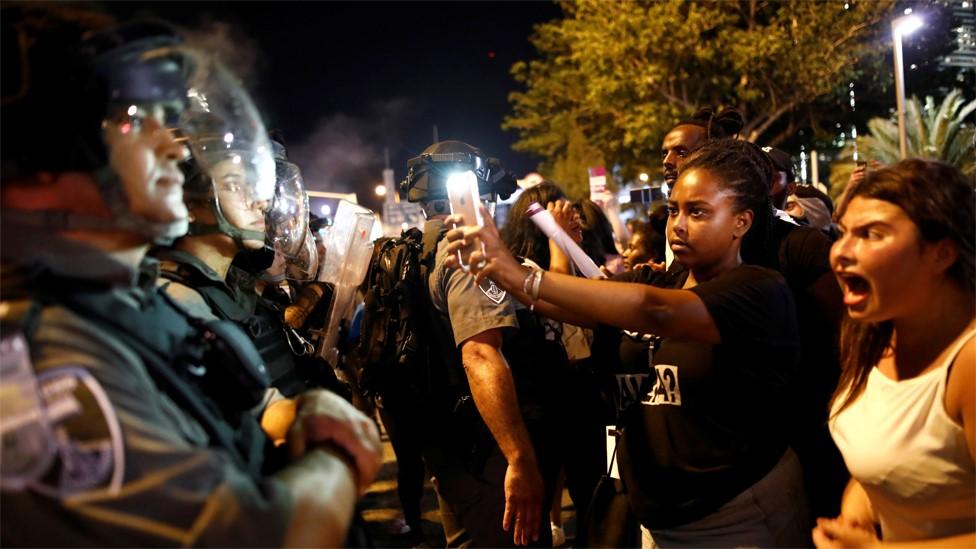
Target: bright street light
[
  {"x": 902, "y": 26},
  {"x": 380, "y": 190},
  {"x": 643, "y": 177}
]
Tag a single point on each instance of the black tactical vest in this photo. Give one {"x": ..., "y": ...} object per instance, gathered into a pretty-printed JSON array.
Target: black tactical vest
[
  {"x": 209, "y": 370},
  {"x": 236, "y": 300}
]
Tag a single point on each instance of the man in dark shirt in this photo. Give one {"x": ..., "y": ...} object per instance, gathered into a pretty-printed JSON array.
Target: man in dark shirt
[{"x": 802, "y": 254}]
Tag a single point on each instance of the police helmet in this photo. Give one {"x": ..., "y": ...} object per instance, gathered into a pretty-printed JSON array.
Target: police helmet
[
  {"x": 76, "y": 80},
  {"x": 427, "y": 174}
]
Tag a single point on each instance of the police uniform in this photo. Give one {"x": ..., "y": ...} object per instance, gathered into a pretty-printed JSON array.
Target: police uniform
[
  {"x": 130, "y": 461},
  {"x": 204, "y": 294},
  {"x": 468, "y": 466}
]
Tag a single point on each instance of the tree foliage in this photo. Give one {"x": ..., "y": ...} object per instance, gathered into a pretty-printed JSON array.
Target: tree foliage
[
  {"x": 624, "y": 72},
  {"x": 942, "y": 132}
]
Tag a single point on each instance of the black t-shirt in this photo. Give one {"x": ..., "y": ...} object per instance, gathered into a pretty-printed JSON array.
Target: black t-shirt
[
  {"x": 802, "y": 254},
  {"x": 803, "y": 257},
  {"x": 711, "y": 424},
  {"x": 624, "y": 357}
]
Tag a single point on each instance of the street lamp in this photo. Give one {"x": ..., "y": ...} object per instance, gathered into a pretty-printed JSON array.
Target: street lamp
[
  {"x": 380, "y": 190},
  {"x": 900, "y": 27}
]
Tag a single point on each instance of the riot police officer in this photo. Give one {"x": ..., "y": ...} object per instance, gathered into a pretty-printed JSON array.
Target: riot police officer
[
  {"x": 487, "y": 446},
  {"x": 113, "y": 432}
]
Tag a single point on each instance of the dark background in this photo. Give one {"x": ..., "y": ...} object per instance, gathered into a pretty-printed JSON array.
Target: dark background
[{"x": 344, "y": 81}]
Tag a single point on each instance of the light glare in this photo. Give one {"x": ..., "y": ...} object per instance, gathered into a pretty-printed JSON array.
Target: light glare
[
  {"x": 461, "y": 179},
  {"x": 907, "y": 24}
]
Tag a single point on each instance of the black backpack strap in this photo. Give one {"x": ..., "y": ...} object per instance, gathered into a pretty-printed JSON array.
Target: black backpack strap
[{"x": 442, "y": 354}]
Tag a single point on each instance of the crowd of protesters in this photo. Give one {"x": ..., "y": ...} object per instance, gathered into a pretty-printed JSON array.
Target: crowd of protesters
[{"x": 754, "y": 364}]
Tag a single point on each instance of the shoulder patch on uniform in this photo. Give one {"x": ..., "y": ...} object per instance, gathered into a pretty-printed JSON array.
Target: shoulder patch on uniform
[
  {"x": 491, "y": 290},
  {"x": 90, "y": 453},
  {"x": 27, "y": 449}
]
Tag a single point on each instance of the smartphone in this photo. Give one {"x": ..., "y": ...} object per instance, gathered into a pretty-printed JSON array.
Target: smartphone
[{"x": 462, "y": 192}]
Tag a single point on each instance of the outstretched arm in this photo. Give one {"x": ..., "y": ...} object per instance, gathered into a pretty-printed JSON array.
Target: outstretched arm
[{"x": 638, "y": 307}]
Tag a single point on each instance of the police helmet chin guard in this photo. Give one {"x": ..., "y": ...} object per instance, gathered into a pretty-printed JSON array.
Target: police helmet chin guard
[{"x": 427, "y": 174}]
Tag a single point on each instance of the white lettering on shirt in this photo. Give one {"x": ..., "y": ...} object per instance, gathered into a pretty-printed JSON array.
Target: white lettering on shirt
[{"x": 666, "y": 389}]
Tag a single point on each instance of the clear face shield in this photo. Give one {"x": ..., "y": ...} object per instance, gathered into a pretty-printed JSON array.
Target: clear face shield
[
  {"x": 288, "y": 230},
  {"x": 163, "y": 101},
  {"x": 230, "y": 144},
  {"x": 305, "y": 264}
]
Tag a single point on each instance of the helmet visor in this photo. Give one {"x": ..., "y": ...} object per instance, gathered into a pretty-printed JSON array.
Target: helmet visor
[{"x": 288, "y": 216}]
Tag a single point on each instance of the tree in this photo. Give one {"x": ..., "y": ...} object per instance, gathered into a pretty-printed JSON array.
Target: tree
[
  {"x": 944, "y": 132},
  {"x": 565, "y": 170},
  {"x": 625, "y": 72}
]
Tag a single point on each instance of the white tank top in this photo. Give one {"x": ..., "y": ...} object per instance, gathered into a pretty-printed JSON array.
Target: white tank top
[{"x": 909, "y": 455}]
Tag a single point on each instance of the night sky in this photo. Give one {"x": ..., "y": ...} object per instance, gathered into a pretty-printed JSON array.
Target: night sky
[{"x": 345, "y": 80}]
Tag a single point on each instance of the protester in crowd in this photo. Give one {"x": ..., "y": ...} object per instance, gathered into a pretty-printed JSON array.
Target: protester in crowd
[
  {"x": 704, "y": 457},
  {"x": 904, "y": 414},
  {"x": 690, "y": 134},
  {"x": 810, "y": 207},
  {"x": 784, "y": 181},
  {"x": 598, "y": 240},
  {"x": 801, "y": 254},
  {"x": 646, "y": 247},
  {"x": 134, "y": 444},
  {"x": 526, "y": 240},
  {"x": 579, "y": 429},
  {"x": 489, "y": 431}
]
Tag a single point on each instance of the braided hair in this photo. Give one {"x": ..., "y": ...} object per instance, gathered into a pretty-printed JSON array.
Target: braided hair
[
  {"x": 745, "y": 170},
  {"x": 717, "y": 124}
]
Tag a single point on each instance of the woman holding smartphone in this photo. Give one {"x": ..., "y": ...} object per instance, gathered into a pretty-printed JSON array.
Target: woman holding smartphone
[
  {"x": 704, "y": 455},
  {"x": 904, "y": 414}
]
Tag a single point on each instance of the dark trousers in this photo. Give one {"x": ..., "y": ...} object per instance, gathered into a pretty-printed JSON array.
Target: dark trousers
[
  {"x": 404, "y": 424},
  {"x": 580, "y": 436},
  {"x": 471, "y": 493}
]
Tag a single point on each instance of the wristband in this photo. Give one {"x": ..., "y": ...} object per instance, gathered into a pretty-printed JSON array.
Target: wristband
[
  {"x": 536, "y": 283},
  {"x": 528, "y": 281}
]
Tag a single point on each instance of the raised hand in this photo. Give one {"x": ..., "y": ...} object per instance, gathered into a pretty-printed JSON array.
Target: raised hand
[
  {"x": 497, "y": 262},
  {"x": 567, "y": 217}
]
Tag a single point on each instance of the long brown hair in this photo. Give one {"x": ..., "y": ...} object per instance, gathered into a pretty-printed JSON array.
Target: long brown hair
[{"x": 939, "y": 199}]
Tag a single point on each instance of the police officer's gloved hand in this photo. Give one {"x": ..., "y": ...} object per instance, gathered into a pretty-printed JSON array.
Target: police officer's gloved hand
[{"x": 325, "y": 419}]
